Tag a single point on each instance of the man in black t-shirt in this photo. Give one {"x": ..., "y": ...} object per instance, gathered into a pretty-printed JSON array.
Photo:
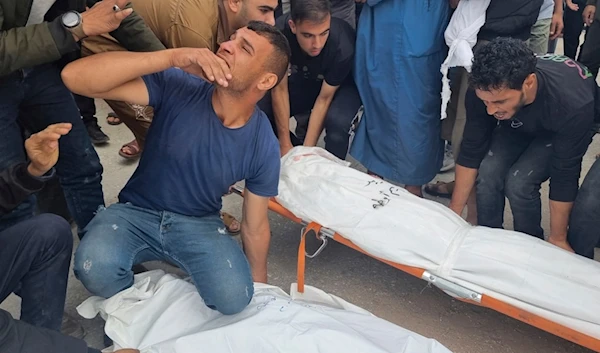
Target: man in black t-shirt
[
  {"x": 319, "y": 83},
  {"x": 528, "y": 119}
]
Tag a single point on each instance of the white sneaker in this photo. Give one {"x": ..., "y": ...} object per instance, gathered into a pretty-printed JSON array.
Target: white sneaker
[{"x": 448, "y": 159}]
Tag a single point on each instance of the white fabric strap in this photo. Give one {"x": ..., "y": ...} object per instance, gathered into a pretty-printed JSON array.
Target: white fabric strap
[{"x": 461, "y": 37}]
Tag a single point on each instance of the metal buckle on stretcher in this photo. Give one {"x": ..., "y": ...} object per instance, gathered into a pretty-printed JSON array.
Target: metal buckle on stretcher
[{"x": 323, "y": 240}]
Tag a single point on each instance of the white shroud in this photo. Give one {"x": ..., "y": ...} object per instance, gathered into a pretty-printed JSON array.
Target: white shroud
[
  {"x": 388, "y": 222},
  {"x": 164, "y": 314}
]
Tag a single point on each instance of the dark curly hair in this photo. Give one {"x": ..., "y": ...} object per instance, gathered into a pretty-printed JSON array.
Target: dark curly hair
[{"x": 501, "y": 63}]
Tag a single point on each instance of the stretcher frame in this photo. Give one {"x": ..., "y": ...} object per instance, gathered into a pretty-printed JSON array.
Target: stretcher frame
[{"x": 451, "y": 288}]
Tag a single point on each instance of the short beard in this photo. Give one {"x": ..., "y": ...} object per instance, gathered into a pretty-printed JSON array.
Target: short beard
[
  {"x": 520, "y": 105},
  {"x": 236, "y": 89}
]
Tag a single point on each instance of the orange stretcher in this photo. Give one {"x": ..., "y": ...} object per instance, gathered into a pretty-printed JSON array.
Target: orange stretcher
[{"x": 461, "y": 293}]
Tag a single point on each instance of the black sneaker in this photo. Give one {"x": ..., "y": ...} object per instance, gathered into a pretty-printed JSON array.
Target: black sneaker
[{"x": 96, "y": 135}]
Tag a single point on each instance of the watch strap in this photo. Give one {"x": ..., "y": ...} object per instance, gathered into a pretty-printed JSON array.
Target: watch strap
[{"x": 78, "y": 31}]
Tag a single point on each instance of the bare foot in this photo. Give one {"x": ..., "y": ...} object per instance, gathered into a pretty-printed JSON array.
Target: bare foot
[
  {"x": 113, "y": 119},
  {"x": 130, "y": 150}
]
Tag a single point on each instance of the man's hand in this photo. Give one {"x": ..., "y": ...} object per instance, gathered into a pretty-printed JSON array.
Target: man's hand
[
  {"x": 285, "y": 147},
  {"x": 561, "y": 243},
  {"x": 102, "y": 18},
  {"x": 456, "y": 209},
  {"x": 588, "y": 14},
  {"x": 203, "y": 63},
  {"x": 571, "y": 5},
  {"x": 464, "y": 184},
  {"x": 557, "y": 25},
  {"x": 42, "y": 148}
]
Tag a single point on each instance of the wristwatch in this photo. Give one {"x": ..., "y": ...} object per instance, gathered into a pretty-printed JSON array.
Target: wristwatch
[{"x": 73, "y": 22}]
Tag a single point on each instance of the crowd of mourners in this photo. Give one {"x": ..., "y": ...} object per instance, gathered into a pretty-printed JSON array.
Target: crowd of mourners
[{"x": 208, "y": 88}]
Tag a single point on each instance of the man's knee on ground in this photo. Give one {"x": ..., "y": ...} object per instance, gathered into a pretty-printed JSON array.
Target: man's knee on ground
[
  {"x": 228, "y": 292},
  {"x": 230, "y": 300},
  {"x": 97, "y": 265}
]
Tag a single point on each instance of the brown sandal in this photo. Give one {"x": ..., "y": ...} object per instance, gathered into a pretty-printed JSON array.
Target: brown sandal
[
  {"x": 134, "y": 147},
  {"x": 231, "y": 224},
  {"x": 115, "y": 119}
]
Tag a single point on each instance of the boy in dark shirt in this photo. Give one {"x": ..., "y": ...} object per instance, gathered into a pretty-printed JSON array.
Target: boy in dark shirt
[
  {"x": 528, "y": 119},
  {"x": 320, "y": 83}
]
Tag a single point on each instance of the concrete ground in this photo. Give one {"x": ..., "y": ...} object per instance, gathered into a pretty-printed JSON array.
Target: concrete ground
[{"x": 379, "y": 288}]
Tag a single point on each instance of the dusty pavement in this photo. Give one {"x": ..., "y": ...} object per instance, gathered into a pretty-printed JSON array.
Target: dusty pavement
[{"x": 383, "y": 290}]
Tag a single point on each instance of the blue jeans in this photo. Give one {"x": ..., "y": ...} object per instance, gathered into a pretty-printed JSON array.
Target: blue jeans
[
  {"x": 35, "y": 99},
  {"x": 515, "y": 167},
  {"x": 123, "y": 235},
  {"x": 584, "y": 224},
  {"x": 34, "y": 257}
]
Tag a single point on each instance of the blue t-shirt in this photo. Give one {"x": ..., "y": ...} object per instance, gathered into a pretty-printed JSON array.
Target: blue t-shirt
[{"x": 190, "y": 158}]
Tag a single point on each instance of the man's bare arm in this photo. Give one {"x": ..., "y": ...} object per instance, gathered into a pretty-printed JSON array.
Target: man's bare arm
[
  {"x": 557, "y": 25},
  {"x": 280, "y": 100},
  {"x": 318, "y": 114},
  {"x": 256, "y": 234},
  {"x": 115, "y": 75},
  {"x": 559, "y": 223},
  {"x": 465, "y": 181}
]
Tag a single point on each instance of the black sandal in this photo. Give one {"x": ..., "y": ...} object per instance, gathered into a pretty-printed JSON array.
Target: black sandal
[{"x": 433, "y": 189}]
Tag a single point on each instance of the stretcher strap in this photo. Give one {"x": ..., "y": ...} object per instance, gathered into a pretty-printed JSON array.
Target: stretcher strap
[{"x": 312, "y": 226}]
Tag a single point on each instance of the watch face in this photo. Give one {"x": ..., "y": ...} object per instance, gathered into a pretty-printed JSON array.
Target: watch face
[{"x": 70, "y": 19}]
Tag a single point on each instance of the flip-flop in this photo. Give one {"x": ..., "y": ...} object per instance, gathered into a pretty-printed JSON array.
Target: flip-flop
[
  {"x": 228, "y": 221},
  {"x": 433, "y": 189},
  {"x": 133, "y": 145},
  {"x": 115, "y": 119}
]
